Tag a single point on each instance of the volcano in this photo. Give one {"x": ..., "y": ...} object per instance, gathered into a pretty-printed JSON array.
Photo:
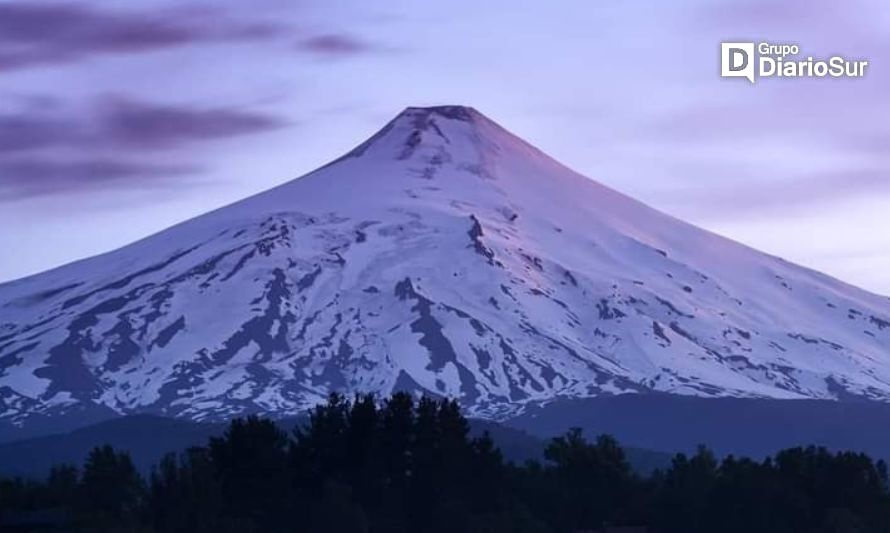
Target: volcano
[{"x": 443, "y": 256}]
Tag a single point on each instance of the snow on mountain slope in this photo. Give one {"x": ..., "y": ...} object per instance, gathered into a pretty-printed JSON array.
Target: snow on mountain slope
[{"x": 442, "y": 255}]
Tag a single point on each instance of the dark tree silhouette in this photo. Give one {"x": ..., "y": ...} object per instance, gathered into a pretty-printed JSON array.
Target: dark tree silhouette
[
  {"x": 111, "y": 490},
  {"x": 406, "y": 465}
]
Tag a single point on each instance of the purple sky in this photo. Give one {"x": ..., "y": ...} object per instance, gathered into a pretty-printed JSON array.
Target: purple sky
[{"x": 118, "y": 119}]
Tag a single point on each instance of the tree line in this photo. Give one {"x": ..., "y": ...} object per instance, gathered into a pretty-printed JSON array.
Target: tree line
[{"x": 406, "y": 465}]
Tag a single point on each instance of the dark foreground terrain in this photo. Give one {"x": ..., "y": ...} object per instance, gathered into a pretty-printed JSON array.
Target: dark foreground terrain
[
  {"x": 754, "y": 427},
  {"x": 147, "y": 439},
  {"x": 416, "y": 466},
  {"x": 651, "y": 428}
]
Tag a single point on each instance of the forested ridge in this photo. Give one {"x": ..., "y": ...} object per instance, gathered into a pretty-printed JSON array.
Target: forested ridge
[{"x": 406, "y": 465}]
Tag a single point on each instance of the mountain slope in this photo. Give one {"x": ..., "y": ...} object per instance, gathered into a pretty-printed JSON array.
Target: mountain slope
[{"x": 443, "y": 255}]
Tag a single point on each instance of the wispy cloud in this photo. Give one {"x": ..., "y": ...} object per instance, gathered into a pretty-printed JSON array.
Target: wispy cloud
[
  {"x": 36, "y": 145},
  {"x": 145, "y": 125},
  {"x": 19, "y": 132},
  {"x": 338, "y": 44},
  {"x": 128, "y": 123},
  {"x": 38, "y": 176},
  {"x": 44, "y": 33}
]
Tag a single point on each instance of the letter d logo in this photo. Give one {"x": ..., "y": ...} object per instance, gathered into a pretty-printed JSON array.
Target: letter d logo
[{"x": 737, "y": 60}]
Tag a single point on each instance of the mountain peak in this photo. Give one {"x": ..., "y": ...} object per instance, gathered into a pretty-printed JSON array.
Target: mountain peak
[
  {"x": 453, "y": 116},
  {"x": 444, "y": 128},
  {"x": 453, "y": 112},
  {"x": 446, "y": 132}
]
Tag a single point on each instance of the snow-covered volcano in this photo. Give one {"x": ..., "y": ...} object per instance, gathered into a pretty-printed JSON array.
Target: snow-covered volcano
[{"x": 442, "y": 255}]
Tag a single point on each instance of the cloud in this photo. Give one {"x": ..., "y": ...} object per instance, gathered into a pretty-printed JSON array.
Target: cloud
[
  {"x": 128, "y": 124},
  {"x": 37, "y": 145},
  {"x": 19, "y": 132},
  {"x": 46, "y": 33},
  {"x": 334, "y": 45},
  {"x": 140, "y": 124},
  {"x": 29, "y": 177}
]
